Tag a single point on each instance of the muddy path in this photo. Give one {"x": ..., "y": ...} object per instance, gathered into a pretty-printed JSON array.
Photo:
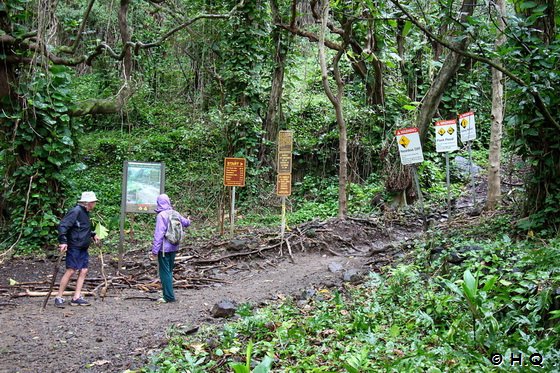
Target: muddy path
[{"x": 121, "y": 330}]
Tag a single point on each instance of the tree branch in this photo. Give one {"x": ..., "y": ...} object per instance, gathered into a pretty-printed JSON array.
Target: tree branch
[
  {"x": 309, "y": 35},
  {"x": 85, "y": 17},
  {"x": 539, "y": 102},
  {"x": 103, "y": 47}
]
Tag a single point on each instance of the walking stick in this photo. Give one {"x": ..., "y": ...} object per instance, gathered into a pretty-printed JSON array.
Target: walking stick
[
  {"x": 55, "y": 273},
  {"x": 106, "y": 284}
]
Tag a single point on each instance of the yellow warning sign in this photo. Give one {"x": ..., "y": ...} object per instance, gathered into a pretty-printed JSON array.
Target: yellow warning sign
[
  {"x": 447, "y": 139},
  {"x": 468, "y": 127},
  {"x": 410, "y": 148},
  {"x": 404, "y": 141}
]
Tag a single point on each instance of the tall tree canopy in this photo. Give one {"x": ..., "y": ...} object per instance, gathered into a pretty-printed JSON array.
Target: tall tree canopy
[{"x": 392, "y": 63}]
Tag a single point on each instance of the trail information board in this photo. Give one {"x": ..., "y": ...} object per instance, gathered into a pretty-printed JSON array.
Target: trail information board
[
  {"x": 284, "y": 163},
  {"x": 142, "y": 183},
  {"x": 283, "y": 185},
  {"x": 234, "y": 172}
]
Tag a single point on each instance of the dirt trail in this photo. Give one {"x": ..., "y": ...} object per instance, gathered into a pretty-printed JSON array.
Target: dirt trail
[{"x": 120, "y": 333}]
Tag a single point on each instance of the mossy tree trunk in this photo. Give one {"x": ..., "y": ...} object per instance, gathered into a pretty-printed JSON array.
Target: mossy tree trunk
[
  {"x": 337, "y": 105},
  {"x": 494, "y": 179}
]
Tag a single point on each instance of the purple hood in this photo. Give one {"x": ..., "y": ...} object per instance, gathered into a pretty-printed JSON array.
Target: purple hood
[
  {"x": 163, "y": 203},
  {"x": 164, "y": 209}
]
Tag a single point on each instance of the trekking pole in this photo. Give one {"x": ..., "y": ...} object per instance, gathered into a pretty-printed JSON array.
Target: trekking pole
[{"x": 55, "y": 273}]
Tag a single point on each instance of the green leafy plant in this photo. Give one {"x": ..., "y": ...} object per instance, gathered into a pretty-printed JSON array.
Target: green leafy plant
[
  {"x": 480, "y": 309},
  {"x": 263, "y": 367},
  {"x": 39, "y": 142}
]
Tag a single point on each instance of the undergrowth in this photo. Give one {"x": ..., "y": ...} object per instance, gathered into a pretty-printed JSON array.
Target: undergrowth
[{"x": 497, "y": 310}]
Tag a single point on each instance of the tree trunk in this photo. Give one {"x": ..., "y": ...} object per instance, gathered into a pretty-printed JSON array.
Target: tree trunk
[
  {"x": 494, "y": 179},
  {"x": 272, "y": 121},
  {"x": 445, "y": 74},
  {"x": 337, "y": 104},
  {"x": 374, "y": 89},
  {"x": 125, "y": 38},
  {"x": 7, "y": 70},
  {"x": 543, "y": 187}
]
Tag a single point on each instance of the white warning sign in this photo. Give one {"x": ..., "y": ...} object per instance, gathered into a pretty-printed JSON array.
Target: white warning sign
[
  {"x": 467, "y": 127},
  {"x": 446, "y": 135},
  {"x": 410, "y": 148}
]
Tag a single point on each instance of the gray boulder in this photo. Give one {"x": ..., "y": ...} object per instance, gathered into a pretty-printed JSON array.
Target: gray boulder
[
  {"x": 224, "y": 308},
  {"x": 462, "y": 166}
]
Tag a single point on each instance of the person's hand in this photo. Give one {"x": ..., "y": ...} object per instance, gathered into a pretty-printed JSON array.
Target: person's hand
[
  {"x": 96, "y": 239},
  {"x": 152, "y": 257},
  {"x": 63, "y": 247}
]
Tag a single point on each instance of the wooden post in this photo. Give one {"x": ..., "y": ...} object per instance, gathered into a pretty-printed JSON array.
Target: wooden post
[
  {"x": 283, "y": 223},
  {"x": 123, "y": 217},
  {"x": 448, "y": 185},
  {"x": 420, "y": 197},
  {"x": 472, "y": 176},
  {"x": 232, "y": 211}
]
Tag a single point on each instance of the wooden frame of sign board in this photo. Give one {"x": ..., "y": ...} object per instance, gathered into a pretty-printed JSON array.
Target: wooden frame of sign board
[{"x": 142, "y": 183}]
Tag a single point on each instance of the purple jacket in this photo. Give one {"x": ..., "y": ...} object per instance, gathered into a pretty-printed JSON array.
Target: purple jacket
[{"x": 163, "y": 210}]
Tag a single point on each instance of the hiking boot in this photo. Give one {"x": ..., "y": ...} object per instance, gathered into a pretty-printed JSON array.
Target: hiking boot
[
  {"x": 59, "y": 302},
  {"x": 79, "y": 302}
]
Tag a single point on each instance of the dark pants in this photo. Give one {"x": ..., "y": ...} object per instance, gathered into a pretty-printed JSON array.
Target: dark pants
[{"x": 166, "y": 275}]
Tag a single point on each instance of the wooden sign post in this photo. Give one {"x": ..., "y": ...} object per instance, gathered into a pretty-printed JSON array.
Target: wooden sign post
[
  {"x": 234, "y": 176},
  {"x": 284, "y": 176}
]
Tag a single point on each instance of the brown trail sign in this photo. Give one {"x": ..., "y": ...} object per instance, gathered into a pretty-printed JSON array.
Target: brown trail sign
[
  {"x": 284, "y": 177},
  {"x": 234, "y": 176}
]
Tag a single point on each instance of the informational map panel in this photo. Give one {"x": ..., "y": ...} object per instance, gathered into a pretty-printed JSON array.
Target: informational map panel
[
  {"x": 446, "y": 135},
  {"x": 410, "y": 148},
  {"x": 143, "y": 182},
  {"x": 467, "y": 127}
]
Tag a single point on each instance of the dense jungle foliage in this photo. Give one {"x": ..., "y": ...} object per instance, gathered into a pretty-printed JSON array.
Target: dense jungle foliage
[
  {"x": 489, "y": 314},
  {"x": 86, "y": 85}
]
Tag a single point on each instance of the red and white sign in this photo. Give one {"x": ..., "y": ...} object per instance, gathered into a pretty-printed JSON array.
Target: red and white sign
[
  {"x": 446, "y": 135},
  {"x": 467, "y": 127},
  {"x": 410, "y": 148}
]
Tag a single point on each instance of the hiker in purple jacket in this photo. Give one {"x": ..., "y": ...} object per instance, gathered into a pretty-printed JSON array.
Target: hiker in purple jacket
[{"x": 163, "y": 249}]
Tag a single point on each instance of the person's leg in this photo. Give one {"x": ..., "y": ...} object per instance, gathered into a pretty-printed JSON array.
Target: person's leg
[
  {"x": 171, "y": 293},
  {"x": 80, "y": 283},
  {"x": 81, "y": 262},
  {"x": 64, "y": 281},
  {"x": 166, "y": 275}
]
